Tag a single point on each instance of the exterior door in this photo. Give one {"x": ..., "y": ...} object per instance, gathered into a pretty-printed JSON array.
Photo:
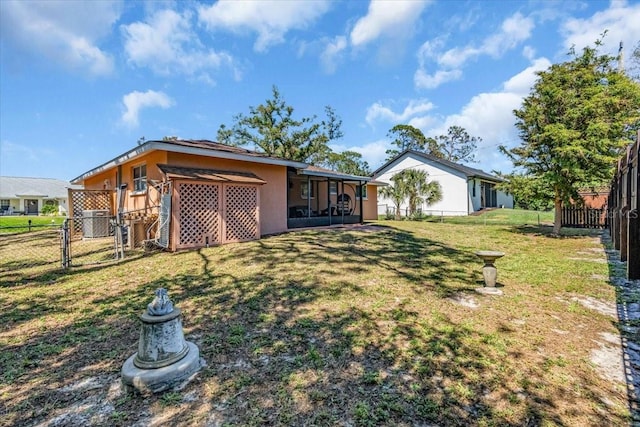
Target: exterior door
[{"x": 31, "y": 206}]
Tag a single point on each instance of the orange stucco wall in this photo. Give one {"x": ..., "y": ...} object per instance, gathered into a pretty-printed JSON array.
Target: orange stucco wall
[
  {"x": 273, "y": 194},
  {"x": 371, "y": 203}
]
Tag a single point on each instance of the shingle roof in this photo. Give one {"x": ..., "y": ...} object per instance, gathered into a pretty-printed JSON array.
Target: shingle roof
[
  {"x": 12, "y": 187},
  {"x": 468, "y": 171},
  {"x": 200, "y": 147}
]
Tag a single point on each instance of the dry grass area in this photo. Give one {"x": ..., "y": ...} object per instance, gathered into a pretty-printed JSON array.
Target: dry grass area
[{"x": 368, "y": 326}]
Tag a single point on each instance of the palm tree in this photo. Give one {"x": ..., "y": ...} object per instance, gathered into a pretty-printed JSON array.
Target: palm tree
[
  {"x": 396, "y": 192},
  {"x": 419, "y": 189},
  {"x": 412, "y": 184}
]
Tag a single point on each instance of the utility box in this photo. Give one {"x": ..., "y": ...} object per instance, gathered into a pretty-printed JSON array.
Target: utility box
[{"x": 95, "y": 223}]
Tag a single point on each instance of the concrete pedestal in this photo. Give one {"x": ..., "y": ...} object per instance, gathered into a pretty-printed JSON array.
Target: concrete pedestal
[
  {"x": 164, "y": 359},
  {"x": 160, "y": 379}
]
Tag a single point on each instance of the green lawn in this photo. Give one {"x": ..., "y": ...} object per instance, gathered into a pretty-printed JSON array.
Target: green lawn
[
  {"x": 20, "y": 223},
  {"x": 495, "y": 216},
  {"x": 368, "y": 326}
]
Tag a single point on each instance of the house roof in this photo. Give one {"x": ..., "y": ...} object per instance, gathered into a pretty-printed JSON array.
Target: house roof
[
  {"x": 328, "y": 173},
  {"x": 12, "y": 187},
  {"x": 197, "y": 147},
  {"x": 211, "y": 175},
  {"x": 469, "y": 172}
]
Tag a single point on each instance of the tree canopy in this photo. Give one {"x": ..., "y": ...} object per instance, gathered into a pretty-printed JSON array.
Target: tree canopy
[
  {"x": 573, "y": 125},
  {"x": 349, "y": 162},
  {"x": 456, "y": 146},
  {"x": 272, "y": 129}
]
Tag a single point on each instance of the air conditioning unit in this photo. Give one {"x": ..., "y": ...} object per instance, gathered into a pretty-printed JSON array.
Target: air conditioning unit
[{"x": 95, "y": 223}]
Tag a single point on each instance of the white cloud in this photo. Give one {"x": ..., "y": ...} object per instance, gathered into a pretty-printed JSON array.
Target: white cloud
[
  {"x": 620, "y": 20},
  {"x": 61, "y": 31},
  {"x": 136, "y": 101},
  {"x": 332, "y": 53},
  {"x": 490, "y": 116},
  {"x": 414, "y": 108},
  {"x": 167, "y": 45},
  {"x": 386, "y": 18},
  {"x": 514, "y": 30},
  {"x": 423, "y": 80},
  {"x": 271, "y": 20}
]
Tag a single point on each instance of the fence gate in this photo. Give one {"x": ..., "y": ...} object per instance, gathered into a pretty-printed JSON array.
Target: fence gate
[{"x": 88, "y": 235}]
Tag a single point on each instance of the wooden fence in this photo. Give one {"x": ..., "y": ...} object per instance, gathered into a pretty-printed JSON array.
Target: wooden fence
[
  {"x": 624, "y": 209},
  {"x": 583, "y": 217}
]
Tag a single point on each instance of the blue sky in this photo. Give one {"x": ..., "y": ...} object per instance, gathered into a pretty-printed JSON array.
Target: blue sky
[{"x": 81, "y": 82}]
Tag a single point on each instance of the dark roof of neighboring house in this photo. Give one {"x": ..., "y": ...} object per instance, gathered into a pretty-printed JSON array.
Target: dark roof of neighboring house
[
  {"x": 211, "y": 175},
  {"x": 468, "y": 171},
  {"x": 12, "y": 187},
  {"x": 198, "y": 147}
]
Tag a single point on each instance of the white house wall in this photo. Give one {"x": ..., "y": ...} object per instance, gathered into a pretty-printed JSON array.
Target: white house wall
[{"x": 454, "y": 187}]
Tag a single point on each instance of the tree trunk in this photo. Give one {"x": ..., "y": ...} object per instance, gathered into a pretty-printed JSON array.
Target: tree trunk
[
  {"x": 398, "y": 215},
  {"x": 557, "y": 218}
]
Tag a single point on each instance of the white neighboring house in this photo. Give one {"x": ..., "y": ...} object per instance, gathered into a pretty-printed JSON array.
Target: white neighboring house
[
  {"x": 464, "y": 190},
  {"x": 28, "y": 196}
]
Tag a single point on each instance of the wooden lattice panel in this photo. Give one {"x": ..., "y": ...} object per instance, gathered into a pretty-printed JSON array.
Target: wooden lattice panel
[
  {"x": 82, "y": 200},
  {"x": 199, "y": 215},
  {"x": 241, "y": 217}
]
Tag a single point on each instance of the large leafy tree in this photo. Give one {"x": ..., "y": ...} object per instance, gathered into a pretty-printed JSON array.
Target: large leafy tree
[
  {"x": 407, "y": 137},
  {"x": 457, "y": 145},
  {"x": 574, "y": 124},
  {"x": 272, "y": 129},
  {"x": 347, "y": 162},
  {"x": 528, "y": 192}
]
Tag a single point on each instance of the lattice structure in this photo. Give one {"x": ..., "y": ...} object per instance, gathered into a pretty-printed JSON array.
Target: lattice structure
[
  {"x": 241, "y": 219},
  {"x": 85, "y": 200},
  {"x": 199, "y": 222}
]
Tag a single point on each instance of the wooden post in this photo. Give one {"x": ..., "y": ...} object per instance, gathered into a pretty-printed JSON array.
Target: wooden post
[{"x": 633, "y": 259}]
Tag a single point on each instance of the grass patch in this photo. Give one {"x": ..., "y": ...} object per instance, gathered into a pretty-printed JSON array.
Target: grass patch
[
  {"x": 20, "y": 224},
  {"x": 326, "y": 327}
]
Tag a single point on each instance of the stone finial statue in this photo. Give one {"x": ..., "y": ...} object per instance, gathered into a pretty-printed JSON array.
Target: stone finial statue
[{"x": 161, "y": 304}]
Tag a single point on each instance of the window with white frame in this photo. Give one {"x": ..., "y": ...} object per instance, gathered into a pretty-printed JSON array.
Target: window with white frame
[
  {"x": 304, "y": 190},
  {"x": 140, "y": 178},
  {"x": 361, "y": 189},
  {"x": 4, "y": 205}
]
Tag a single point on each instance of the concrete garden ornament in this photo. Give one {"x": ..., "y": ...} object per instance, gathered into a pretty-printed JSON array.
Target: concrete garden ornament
[{"x": 164, "y": 359}]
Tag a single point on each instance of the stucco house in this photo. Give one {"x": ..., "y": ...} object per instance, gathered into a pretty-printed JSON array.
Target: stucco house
[
  {"x": 196, "y": 193},
  {"x": 464, "y": 189},
  {"x": 20, "y": 195}
]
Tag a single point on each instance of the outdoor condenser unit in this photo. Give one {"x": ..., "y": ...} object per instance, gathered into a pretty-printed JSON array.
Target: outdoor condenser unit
[{"x": 95, "y": 223}]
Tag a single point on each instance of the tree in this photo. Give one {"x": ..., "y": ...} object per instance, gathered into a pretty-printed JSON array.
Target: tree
[
  {"x": 574, "y": 124},
  {"x": 407, "y": 137},
  {"x": 272, "y": 129},
  {"x": 414, "y": 185},
  {"x": 456, "y": 146},
  {"x": 349, "y": 162},
  {"x": 419, "y": 189},
  {"x": 528, "y": 192}
]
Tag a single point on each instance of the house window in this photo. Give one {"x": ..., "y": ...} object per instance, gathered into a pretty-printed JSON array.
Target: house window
[
  {"x": 4, "y": 205},
  {"x": 304, "y": 190},
  {"x": 361, "y": 189},
  {"x": 473, "y": 186},
  {"x": 333, "y": 187},
  {"x": 140, "y": 178}
]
